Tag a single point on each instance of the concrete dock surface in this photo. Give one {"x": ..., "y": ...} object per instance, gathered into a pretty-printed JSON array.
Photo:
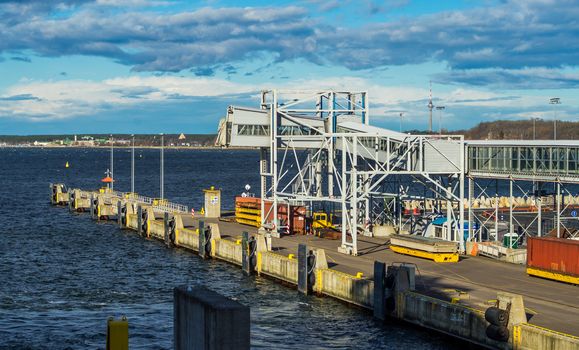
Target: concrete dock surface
[{"x": 475, "y": 280}]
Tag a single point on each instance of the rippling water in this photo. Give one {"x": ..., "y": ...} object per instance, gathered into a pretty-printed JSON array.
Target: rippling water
[{"x": 62, "y": 274}]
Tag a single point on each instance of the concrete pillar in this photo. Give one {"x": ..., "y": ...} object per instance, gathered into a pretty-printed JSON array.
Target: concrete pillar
[
  {"x": 206, "y": 320},
  {"x": 379, "y": 290}
]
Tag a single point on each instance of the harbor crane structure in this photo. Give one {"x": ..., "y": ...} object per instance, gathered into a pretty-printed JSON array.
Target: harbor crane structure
[{"x": 318, "y": 149}]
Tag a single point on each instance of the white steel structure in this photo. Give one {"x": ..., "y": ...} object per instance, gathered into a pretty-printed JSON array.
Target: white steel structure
[{"x": 319, "y": 149}]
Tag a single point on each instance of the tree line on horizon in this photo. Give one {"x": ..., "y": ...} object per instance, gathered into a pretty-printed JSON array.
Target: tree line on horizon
[{"x": 495, "y": 130}]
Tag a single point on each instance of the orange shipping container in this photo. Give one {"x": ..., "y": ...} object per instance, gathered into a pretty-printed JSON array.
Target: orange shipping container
[{"x": 558, "y": 255}]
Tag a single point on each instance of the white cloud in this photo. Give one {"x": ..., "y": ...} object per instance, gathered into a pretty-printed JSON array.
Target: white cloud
[
  {"x": 48, "y": 100},
  {"x": 70, "y": 98}
]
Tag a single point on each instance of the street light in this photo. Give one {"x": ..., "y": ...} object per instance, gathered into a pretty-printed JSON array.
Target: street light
[
  {"x": 112, "y": 163},
  {"x": 133, "y": 164},
  {"x": 555, "y": 101},
  {"x": 440, "y": 109},
  {"x": 162, "y": 185}
]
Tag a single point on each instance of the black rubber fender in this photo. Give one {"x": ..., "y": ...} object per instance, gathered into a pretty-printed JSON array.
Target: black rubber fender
[
  {"x": 496, "y": 316},
  {"x": 498, "y": 333}
]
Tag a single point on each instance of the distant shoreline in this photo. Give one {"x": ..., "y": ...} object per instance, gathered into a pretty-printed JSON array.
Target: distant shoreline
[{"x": 136, "y": 147}]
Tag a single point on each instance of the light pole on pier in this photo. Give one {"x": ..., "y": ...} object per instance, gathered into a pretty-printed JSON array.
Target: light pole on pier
[
  {"x": 401, "y": 115},
  {"x": 112, "y": 163},
  {"x": 133, "y": 164},
  {"x": 555, "y": 101},
  {"x": 440, "y": 109},
  {"x": 162, "y": 168}
]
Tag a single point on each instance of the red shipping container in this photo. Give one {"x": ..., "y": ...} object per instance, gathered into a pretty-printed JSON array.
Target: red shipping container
[
  {"x": 297, "y": 217},
  {"x": 558, "y": 255}
]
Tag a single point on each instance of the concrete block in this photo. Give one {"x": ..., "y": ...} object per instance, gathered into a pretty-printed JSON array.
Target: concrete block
[
  {"x": 517, "y": 313},
  {"x": 206, "y": 320},
  {"x": 278, "y": 266},
  {"x": 533, "y": 337},
  {"x": 214, "y": 229},
  {"x": 321, "y": 260},
  {"x": 345, "y": 287},
  {"x": 227, "y": 250},
  {"x": 453, "y": 319}
]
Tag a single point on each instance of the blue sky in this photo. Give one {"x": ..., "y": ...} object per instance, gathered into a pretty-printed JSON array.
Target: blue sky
[{"x": 150, "y": 66}]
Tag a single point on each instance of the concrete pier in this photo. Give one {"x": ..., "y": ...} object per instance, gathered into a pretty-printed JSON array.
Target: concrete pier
[{"x": 449, "y": 298}]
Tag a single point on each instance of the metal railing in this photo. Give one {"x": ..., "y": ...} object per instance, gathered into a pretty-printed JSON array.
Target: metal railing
[{"x": 170, "y": 207}]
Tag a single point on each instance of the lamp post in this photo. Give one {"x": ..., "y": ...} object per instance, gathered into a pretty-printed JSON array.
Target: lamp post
[
  {"x": 133, "y": 164},
  {"x": 112, "y": 163},
  {"x": 401, "y": 115},
  {"x": 534, "y": 129},
  {"x": 440, "y": 109},
  {"x": 555, "y": 101},
  {"x": 162, "y": 184}
]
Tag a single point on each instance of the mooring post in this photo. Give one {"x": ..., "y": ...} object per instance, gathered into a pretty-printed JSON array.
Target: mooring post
[
  {"x": 202, "y": 240},
  {"x": 303, "y": 282},
  {"x": 379, "y": 290},
  {"x": 204, "y": 319},
  {"x": 166, "y": 229},
  {"x": 92, "y": 206},
  {"x": 245, "y": 254},
  {"x": 120, "y": 213},
  {"x": 139, "y": 220}
]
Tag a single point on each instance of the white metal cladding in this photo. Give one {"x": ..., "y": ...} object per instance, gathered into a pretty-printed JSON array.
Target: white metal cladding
[{"x": 442, "y": 156}]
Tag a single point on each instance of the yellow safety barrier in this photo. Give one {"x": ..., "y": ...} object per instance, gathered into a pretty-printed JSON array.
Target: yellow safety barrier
[
  {"x": 117, "y": 334},
  {"x": 552, "y": 275},
  {"x": 437, "y": 257}
]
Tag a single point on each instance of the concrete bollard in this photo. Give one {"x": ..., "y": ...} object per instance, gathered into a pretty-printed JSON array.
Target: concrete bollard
[
  {"x": 206, "y": 320},
  {"x": 379, "y": 290}
]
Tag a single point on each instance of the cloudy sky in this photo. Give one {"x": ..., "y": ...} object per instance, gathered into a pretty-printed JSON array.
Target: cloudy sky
[{"x": 149, "y": 66}]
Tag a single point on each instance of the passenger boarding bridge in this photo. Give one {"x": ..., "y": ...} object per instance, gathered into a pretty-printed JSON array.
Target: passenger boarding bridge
[{"x": 318, "y": 149}]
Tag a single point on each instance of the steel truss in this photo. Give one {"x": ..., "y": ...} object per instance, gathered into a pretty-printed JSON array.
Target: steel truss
[
  {"x": 353, "y": 170},
  {"x": 531, "y": 203}
]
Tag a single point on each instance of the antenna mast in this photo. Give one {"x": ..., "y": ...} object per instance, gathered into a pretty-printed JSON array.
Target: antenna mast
[{"x": 430, "y": 107}]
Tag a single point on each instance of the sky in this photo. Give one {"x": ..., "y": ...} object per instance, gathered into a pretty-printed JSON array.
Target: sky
[{"x": 164, "y": 66}]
